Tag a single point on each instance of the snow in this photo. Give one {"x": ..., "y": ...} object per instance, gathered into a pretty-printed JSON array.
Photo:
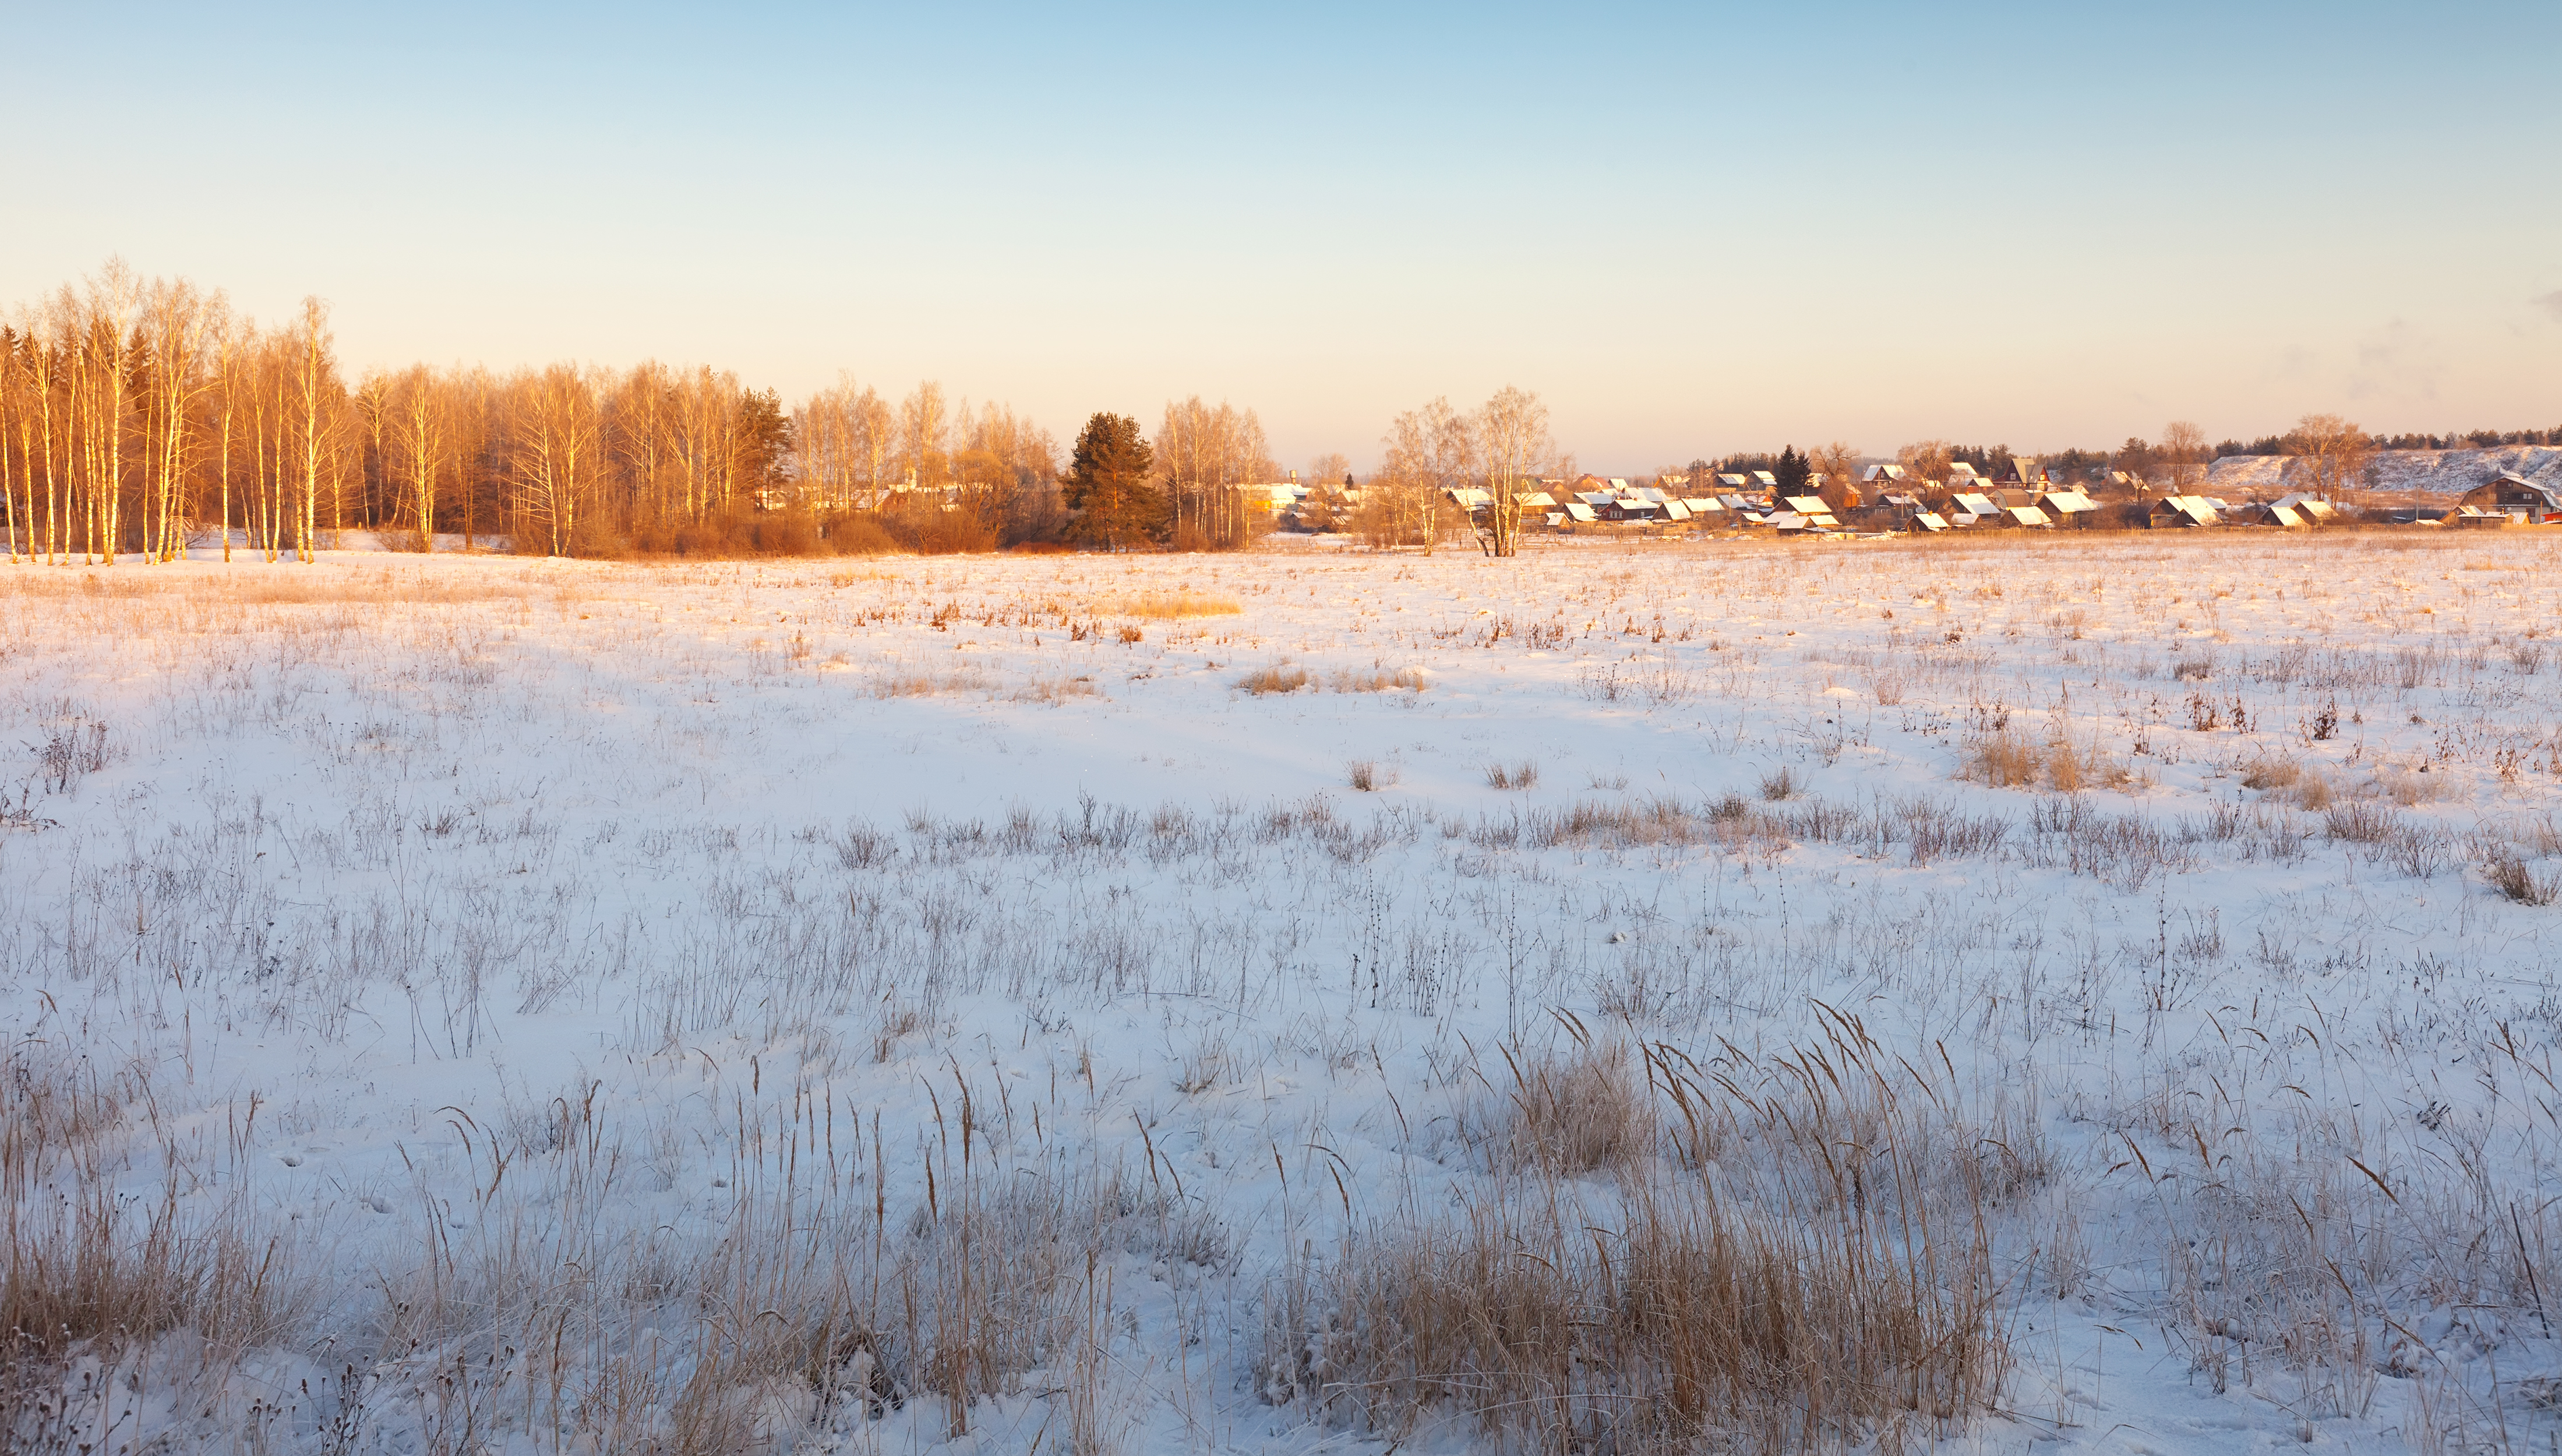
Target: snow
[
  {"x": 478, "y": 924},
  {"x": 2425, "y": 471}
]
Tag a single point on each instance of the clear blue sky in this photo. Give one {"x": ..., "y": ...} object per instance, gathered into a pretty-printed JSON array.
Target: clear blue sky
[{"x": 1690, "y": 228}]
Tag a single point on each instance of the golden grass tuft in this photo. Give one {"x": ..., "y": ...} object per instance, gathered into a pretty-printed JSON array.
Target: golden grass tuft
[
  {"x": 2006, "y": 758},
  {"x": 1376, "y": 679},
  {"x": 1170, "y": 606},
  {"x": 1279, "y": 677},
  {"x": 904, "y": 683},
  {"x": 1055, "y": 691},
  {"x": 1574, "y": 1114}
]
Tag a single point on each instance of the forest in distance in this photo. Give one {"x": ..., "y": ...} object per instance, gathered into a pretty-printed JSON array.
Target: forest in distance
[{"x": 142, "y": 417}]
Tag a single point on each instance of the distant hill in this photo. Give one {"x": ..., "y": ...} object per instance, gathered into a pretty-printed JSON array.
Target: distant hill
[{"x": 2428, "y": 471}]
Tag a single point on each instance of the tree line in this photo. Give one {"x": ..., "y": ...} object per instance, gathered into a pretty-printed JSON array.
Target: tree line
[{"x": 140, "y": 416}]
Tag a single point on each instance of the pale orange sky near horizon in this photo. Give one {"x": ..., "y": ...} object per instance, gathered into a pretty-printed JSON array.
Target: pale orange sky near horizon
[{"x": 1691, "y": 230}]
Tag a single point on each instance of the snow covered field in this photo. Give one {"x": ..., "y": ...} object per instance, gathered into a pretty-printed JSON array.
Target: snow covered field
[{"x": 1993, "y": 995}]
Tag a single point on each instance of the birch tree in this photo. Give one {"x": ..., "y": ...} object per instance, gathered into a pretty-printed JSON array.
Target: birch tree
[
  {"x": 556, "y": 445},
  {"x": 1511, "y": 435}
]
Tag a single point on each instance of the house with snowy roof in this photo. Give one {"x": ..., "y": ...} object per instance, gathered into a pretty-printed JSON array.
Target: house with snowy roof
[
  {"x": 2511, "y": 493},
  {"x": 2182, "y": 511}
]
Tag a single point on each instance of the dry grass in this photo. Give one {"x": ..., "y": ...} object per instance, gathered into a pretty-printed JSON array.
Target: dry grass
[
  {"x": 1170, "y": 606},
  {"x": 1522, "y": 774},
  {"x": 1279, "y": 677},
  {"x": 1813, "y": 1271},
  {"x": 94, "y": 1270},
  {"x": 2511, "y": 875},
  {"x": 904, "y": 683},
  {"x": 258, "y": 584},
  {"x": 1378, "y": 679},
  {"x": 2006, "y": 758},
  {"x": 1569, "y": 1115},
  {"x": 1055, "y": 691}
]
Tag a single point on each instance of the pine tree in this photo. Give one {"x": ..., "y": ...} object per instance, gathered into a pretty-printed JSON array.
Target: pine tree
[
  {"x": 1118, "y": 507},
  {"x": 1793, "y": 471}
]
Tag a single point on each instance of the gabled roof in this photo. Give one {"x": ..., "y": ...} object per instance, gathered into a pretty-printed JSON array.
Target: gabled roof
[
  {"x": 1929, "y": 520},
  {"x": 1765, "y": 479},
  {"x": 1538, "y": 500},
  {"x": 2068, "y": 502},
  {"x": 1807, "y": 504},
  {"x": 1674, "y": 511},
  {"x": 2512, "y": 483},
  {"x": 1976, "y": 504},
  {"x": 1703, "y": 504},
  {"x": 2029, "y": 515},
  {"x": 1577, "y": 510},
  {"x": 1960, "y": 470},
  {"x": 1885, "y": 472},
  {"x": 1736, "y": 482}
]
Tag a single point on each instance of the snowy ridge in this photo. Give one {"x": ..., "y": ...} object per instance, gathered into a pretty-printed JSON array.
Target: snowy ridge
[{"x": 2431, "y": 471}]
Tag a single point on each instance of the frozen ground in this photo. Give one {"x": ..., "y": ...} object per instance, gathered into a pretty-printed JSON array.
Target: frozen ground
[{"x": 489, "y": 1004}]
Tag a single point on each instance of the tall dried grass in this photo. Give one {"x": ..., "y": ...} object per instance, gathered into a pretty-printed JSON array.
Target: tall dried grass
[
  {"x": 1169, "y": 606},
  {"x": 1811, "y": 1270}
]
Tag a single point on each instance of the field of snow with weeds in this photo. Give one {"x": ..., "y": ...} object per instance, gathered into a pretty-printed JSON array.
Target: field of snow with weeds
[{"x": 1992, "y": 996}]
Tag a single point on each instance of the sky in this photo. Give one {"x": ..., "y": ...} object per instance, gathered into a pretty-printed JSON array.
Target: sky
[{"x": 1691, "y": 230}]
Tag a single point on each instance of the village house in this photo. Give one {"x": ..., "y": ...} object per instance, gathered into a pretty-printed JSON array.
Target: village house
[
  {"x": 2070, "y": 507},
  {"x": 2512, "y": 495},
  {"x": 2181, "y": 511},
  {"x": 1971, "y": 506},
  {"x": 1818, "y": 514},
  {"x": 2267, "y": 513}
]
